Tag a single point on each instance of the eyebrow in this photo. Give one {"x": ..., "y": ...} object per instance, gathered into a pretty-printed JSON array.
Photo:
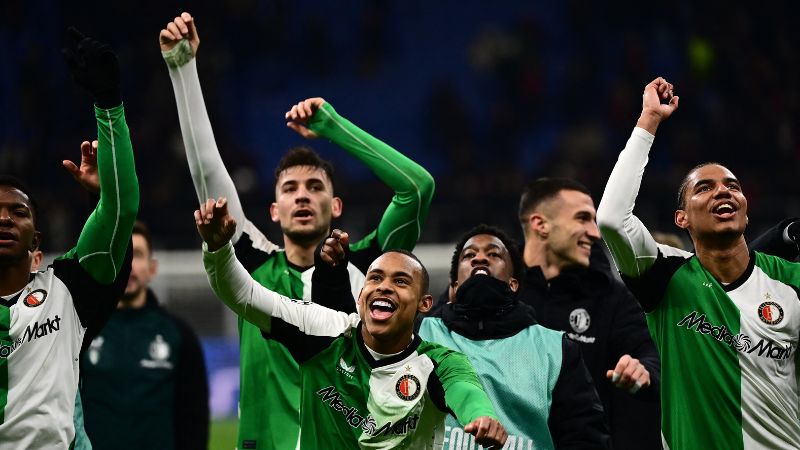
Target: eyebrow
[
  {"x": 475, "y": 247},
  {"x": 709, "y": 181}
]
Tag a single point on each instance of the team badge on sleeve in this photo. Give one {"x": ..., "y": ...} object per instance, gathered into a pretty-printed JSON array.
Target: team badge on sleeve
[
  {"x": 35, "y": 298},
  {"x": 770, "y": 313},
  {"x": 408, "y": 387}
]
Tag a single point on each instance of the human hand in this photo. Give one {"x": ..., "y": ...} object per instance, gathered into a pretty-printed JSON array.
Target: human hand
[
  {"x": 214, "y": 224},
  {"x": 488, "y": 432},
  {"x": 182, "y": 27},
  {"x": 653, "y": 110},
  {"x": 94, "y": 67},
  {"x": 86, "y": 174},
  {"x": 333, "y": 249},
  {"x": 629, "y": 374},
  {"x": 298, "y": 117}
]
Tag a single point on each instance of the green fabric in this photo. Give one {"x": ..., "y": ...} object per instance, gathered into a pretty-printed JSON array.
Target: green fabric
[
  {"x": 269, "y": 378},
  {"x": 81, "y": 441},
  {"x": 104, "y": 239},
  {"x": 5, "y": 342},
  {"x": 401, "y": 224},
  {"x": 518, "y": 373},
  {"x": 464, "y": 393},
  {"x": 347, "y": 403},
  {"x": 179, "y": 55},
  {"x": 698, "y": 373}
]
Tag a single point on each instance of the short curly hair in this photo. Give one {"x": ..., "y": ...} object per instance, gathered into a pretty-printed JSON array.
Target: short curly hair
[{"x": 511, "y": 245}]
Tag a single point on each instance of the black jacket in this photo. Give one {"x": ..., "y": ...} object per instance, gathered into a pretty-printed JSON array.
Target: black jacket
[
  {"x": 144, "y": 383},
  {"x": 597, "y": 311}
]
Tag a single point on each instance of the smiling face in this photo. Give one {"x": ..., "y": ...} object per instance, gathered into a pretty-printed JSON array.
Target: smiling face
[
  {"x": 390, "y": 300},
  {"x": 18, "y": 235},
  {"x": 713, "y": 204},
  {"x": 304, "y": 204},
  {"x": 568, "y": 222},
  {"x": 484, "y": 254}
]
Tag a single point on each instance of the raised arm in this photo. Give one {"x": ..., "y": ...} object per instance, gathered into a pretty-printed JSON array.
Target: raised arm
[
  {"x": 236, "y": 288},
  {"x": 631, "y": 244},
  {"x": 104, "y": 239},
  {"x": 179, "y": 42},
  {"x": 401, "y": 224}
]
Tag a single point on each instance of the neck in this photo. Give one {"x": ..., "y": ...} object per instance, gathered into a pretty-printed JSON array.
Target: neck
[
  {"x": 136, "y": 302},
  {"x": 386, "y": 345},
  {"x": 537, "y": 254},
  {"x": 299, "y": 254},
  {"x": 14, "y": 276},
  {"x": 726, "y": 261}
]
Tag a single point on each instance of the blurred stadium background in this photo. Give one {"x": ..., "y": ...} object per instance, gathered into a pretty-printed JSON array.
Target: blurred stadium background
[{"x": 485, "y": 95}]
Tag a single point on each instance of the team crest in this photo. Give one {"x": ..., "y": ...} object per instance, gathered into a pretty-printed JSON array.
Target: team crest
[
  {"x": 35, "y": 298},
  {"x": 770, "y": 313},
  {"x": 580, "y": 320},
  {"x": 408, "y": 387}
]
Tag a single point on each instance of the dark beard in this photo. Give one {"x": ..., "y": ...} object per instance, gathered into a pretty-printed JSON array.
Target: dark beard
[{"x": 307, "y": 238}]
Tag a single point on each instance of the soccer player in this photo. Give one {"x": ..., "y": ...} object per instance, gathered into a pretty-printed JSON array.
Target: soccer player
[
  {"x": 535, "y": 376},
  {"x": 43, "y": 316},
  {"x": 367, "y": 380},
  {"x": 304, "y": 206},
  {"x": 725, "y": 318},
  {"x": 570, "y": 285}
]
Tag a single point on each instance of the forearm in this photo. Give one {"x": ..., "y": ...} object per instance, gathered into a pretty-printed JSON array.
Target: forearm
[
  {"x": 633, "y": 248},
  {"x": 468, "y": 401},
  {"x": 402, "y": 221},
  {"x": 231, "y": 282},
  {"x": 209, "y": 175},
  {"x": 236, "y": 288},
  {"x": 104, "y": 239}
]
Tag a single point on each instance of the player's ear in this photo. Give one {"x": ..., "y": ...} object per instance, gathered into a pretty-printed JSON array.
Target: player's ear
[
  {"x": 681, "y": 220},
  {"x": 273, "y": 212},
  {"x": 539, "y": 224},
  {"x": 336, "y": 207},
  {"x": 513, "y": 284},
  {"x": 36, "y": 241},
  {"x": 425, "y": 303}
]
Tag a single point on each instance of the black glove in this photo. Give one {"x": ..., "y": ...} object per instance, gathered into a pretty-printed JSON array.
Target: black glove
[{"x": 94, "y": 67}]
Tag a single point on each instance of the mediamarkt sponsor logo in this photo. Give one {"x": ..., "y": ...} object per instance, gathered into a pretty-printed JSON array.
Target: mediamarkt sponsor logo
[
  {"x": 739, "y": 342},
  {"x": 33, "y": 331},
  {"x": 355, "y": 419}
]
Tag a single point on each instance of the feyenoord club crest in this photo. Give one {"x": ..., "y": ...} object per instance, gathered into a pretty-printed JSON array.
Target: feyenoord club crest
[
  {"x": 35, "y": 298},
  {"x": 580, "y": 320},
  {"x": 408, "y": 387},
  {"x": 770, "y": 313}
]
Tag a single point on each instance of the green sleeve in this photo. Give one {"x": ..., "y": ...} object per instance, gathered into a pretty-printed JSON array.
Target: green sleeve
[
  {"x": 104, "y": 239},
  {"x": 413, "y": 186},
  {"x": 463, "y": 391}
]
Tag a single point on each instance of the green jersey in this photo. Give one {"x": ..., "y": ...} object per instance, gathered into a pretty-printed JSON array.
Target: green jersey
[
  {"x": 351, "y": 397},
  {"x": 729, "y": 369},
  {"x": 43, "y": 325}
]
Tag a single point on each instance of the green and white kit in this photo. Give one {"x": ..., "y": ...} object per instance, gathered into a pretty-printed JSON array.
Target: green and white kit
[
  {"x": 350, "y": 396},
  {"x": 728, "y": 352},
  {"x": 269, "y": 400},
  {"x": 42, "y": 326}
]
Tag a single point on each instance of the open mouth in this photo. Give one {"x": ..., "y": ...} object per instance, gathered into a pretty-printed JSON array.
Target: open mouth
[
  {"x": 724, "y": 210},
  {"x": 587, "y": 246},
  {"x": 382, "y": 309},
  {"x": 303, "y": 214},
  {"x": 480, "y": 270}
]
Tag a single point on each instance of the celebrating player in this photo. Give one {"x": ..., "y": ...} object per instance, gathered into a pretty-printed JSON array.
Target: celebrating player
[
  {"x": 367, "y": 381},
  {"x": 44, "y": 316},
  {"x": 725, "y": 319},
  {"x": 304, "y": 206}
]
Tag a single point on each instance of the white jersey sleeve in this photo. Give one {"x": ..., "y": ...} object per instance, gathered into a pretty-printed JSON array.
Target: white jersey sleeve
[
  {"x": 236, "y": 288},
  {"x": 632, "y": 246},
  {"x": 209, "y": 175}
]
